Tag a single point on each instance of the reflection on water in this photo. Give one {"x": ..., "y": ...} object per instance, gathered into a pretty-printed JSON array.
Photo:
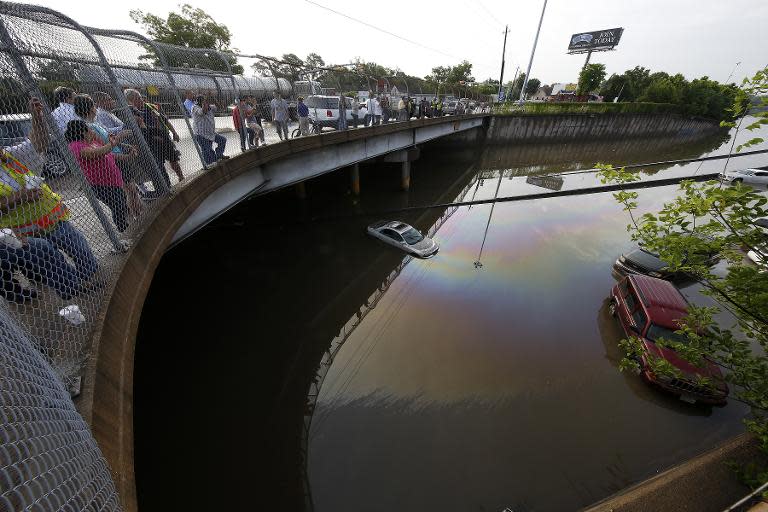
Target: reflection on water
[
  {"x": 448, "y": 386},
  {"x": 485, "y": 388}
]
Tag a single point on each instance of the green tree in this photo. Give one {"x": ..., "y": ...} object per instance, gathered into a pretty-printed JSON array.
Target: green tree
[
  {"x": 314, "y": 60},
  {"x": 191, "y": 28},
  {"x": 705, "y": 97},
  {"x": 614, "y": 87},
  {"x": 516, "y": 86},
  {"x": 460, "y": 74},
  {"x": 637, "y": 80},
  {"x": 590, "y": 78},
  {"x": 532, "y": 86},
  {"x": 662, "y": 90},
  {"x": 439, "y": 75},
  {"x": 725, "y": 217}
]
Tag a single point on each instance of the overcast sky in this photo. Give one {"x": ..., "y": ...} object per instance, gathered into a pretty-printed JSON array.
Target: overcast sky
[{"x": 692, "y": 37}]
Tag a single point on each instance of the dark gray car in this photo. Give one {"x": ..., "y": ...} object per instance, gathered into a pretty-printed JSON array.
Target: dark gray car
[{"x": 642, "y": 261}]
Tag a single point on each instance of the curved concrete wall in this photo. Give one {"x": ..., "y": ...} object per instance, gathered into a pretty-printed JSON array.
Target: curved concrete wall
[{"x": 563, "y": 127}]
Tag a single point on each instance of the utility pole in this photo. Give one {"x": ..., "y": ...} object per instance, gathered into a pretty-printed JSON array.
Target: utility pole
[
  {"x": 503, "y": 53},
  {"x": 514, "y": 78},
  {"x": 533, "y": 51}
]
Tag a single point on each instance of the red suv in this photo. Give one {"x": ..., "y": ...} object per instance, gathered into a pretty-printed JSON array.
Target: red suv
[{"x": 649, "y": 309}]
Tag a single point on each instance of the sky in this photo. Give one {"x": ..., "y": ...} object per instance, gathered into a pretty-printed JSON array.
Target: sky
[{"x": 693, "y": 37}]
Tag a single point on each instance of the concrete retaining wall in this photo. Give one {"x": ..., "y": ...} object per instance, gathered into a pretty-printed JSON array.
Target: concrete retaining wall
[{"x": 568, "y": 127}]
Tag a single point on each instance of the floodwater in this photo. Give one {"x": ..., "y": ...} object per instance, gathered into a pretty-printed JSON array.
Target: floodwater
[{"x": 483, "y": 378}]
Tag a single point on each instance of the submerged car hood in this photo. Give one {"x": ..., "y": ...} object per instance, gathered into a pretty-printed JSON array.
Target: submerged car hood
[
  {"x": 425, "y": 245},
  {"x": 645, "y": 259},
  {"x": 689, "y": 371}
]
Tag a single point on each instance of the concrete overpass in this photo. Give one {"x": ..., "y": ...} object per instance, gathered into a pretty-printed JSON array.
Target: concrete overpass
[
  {"x": 300, "y": 159},
  {"x": 106, "y": 401}
]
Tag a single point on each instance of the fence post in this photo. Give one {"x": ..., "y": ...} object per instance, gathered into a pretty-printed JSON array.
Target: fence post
[
  {"x": 69, "y": 159},
  {"x": 172, "y": 82},
  {"x": 160, "y": 183},
  {"x": 236, "y": 90}
]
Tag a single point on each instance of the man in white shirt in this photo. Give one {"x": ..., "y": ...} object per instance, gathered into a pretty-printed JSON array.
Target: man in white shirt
[
  {"x": 204, "y": 126},
  {"x": 104, "y": 116},
  {"x": 65, "y": 112},
  {"x": 374, "y": 110},
  {"x": 279, "y": 109}
]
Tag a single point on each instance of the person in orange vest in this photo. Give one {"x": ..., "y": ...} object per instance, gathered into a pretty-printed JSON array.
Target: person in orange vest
[{"x": 34, "y": 222}]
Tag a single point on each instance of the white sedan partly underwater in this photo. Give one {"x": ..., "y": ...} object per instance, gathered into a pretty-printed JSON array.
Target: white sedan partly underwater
[
  {"x": 750, "y": 176},
  {"x": 404, "y": 237}
]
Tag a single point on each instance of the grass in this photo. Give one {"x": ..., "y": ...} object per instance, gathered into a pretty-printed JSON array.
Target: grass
[{"x": 510, "y": 108}]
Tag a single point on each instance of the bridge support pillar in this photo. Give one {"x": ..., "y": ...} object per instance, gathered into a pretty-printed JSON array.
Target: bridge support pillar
[
  {"x": 405, "y": 177},
  {"x": 405, "y": 156},
  {"x": 301, "y": 190},
  {"x": 356, "y": 179}
]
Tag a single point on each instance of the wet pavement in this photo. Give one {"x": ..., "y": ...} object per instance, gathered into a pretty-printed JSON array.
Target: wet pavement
[{"x": 469, "y": 381}]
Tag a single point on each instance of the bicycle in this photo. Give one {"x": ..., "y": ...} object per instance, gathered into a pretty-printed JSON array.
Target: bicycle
[{"x": 314, "y": 129}]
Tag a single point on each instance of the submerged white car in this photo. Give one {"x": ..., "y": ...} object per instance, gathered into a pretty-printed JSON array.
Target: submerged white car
[
  {"x": 751, "y": 176},
  {"x": 403, "y": 236}
]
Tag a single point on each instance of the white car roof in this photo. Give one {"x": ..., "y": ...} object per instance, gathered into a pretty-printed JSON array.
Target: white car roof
[{"x": 400, "y": 227}]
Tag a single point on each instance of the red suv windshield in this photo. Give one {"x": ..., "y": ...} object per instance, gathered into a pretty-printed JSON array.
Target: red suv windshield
[{"x": 657, "y": 331}]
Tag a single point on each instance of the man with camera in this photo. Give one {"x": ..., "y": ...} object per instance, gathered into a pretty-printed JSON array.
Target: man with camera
[{"x": 204, "y": 126}]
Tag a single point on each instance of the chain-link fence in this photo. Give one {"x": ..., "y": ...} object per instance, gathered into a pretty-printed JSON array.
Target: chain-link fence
[
  {"x": 48, "y": 457},
  {"x": 98, "y": 129}
]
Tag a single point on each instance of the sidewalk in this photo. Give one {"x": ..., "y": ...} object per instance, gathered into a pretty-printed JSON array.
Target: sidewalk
[{"x": 702, "y": 484}]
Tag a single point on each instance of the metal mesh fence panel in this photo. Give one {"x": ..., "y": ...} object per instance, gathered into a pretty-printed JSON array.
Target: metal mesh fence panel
[{"x": 48, "y": 458}]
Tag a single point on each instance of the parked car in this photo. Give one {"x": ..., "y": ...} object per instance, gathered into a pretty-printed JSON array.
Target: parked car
[
  {"x": 405, "y": 237},
  {"x": 324, "y": 111},
  {"x": 449, "y": 107},
  {"x": 650, "y": 309},
  {"x": 643, "y": 261},
  {"x": 757, "y": 258},
  {"x": 15, "y": 128},
  {"x": 749, "y": 176}
]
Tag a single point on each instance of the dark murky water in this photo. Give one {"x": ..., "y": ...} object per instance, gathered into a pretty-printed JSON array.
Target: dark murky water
[{"x": 466, "y": 387}]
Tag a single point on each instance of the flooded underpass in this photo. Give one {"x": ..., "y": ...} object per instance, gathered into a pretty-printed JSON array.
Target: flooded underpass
[{"x": 485, "y": 377}]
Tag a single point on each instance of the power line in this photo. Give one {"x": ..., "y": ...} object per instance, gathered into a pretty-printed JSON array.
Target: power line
[
  {"x": 383, "y": 30},
  {"x": 490, "y": 14},
  {"x": 411, "y": 41}
]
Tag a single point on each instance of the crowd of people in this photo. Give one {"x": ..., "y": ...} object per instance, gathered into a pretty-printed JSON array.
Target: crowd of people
[{"x": 37, "y": 239}]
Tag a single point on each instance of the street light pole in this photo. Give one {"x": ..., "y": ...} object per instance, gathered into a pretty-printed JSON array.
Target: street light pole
[
  {"x": 533, "y": 51},
  {"x": 503, "y": 53}
]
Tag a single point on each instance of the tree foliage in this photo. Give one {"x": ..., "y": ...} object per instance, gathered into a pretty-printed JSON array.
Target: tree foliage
[
  {"x": 701, "y": 96},
  {"x": 455, "y": 76},
  {"x": 590, "y": 78},
  {"x": 191, "y": 28},
  {"x": 532, "y": 86},
  {"x": 725, "y": 217},
  {"x": 488, "y": 86}
]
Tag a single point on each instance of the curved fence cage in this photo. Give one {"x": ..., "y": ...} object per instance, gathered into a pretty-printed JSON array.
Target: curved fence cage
[{"x": 48, "y": 457}]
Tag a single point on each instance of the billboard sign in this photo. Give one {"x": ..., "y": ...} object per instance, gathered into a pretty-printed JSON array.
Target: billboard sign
[{"x": 598, "y": 40}]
